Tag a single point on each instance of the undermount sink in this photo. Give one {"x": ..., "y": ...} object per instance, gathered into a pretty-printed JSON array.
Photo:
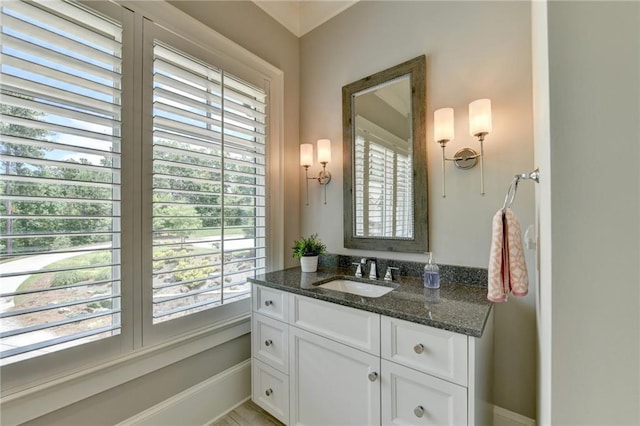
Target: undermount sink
[{"x": 357, "y": 288}]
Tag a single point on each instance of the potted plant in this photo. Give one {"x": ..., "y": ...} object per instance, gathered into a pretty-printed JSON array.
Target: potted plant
[{"x": 307, "y": 250}]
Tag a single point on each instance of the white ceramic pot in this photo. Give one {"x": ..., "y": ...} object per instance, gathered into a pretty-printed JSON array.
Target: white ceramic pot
[{"x": 309, "y": 263}]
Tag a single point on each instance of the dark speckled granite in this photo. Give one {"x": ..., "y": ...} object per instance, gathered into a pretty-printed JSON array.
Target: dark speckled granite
[
  {"x": 456, "y": 307},
  {"x": 448, "y": 273}
]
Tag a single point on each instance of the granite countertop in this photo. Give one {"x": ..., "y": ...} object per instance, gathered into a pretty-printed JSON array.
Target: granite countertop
[{"x": 455, "y": 307}]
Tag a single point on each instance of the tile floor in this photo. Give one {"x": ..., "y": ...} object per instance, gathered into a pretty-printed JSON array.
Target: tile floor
[{"x": 247, "y": 414}]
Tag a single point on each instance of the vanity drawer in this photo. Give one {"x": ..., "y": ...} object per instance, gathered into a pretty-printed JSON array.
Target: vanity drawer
[
  {"x": 270, "y": 302},
  {"x": 431, "y": 350},
  {"x": 412, "y": 398},
  {"x": 270, "y": 390},
  {"x": 353, "y": 327},
  {"x": 270, "y": 342}
]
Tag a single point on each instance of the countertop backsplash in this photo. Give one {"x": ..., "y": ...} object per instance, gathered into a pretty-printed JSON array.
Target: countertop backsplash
[{"x": 452, "y": 274}]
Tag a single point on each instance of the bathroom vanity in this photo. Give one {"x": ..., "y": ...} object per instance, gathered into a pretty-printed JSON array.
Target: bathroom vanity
[{"x": 323, "y": 356}]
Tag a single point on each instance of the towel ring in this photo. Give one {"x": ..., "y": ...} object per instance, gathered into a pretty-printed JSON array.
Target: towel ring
[
  {"x": 511, "y": 193},
  {"x": 513, "y": 188}
]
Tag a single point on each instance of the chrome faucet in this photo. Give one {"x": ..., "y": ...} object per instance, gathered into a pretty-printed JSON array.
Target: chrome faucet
[{"x": 373, "y": 272}]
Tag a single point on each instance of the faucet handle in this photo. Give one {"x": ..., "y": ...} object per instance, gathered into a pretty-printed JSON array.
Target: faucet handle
[
  {"x": 389, "y": 275},
  {"x": 358, "y": 269}
]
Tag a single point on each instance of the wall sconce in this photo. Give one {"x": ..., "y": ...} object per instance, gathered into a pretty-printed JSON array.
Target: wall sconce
[
  {"x": 324, "y": 157},
  {"x": 479, "y": 126}
]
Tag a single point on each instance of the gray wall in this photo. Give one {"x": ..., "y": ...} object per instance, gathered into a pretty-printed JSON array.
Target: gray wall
[
  {"x": 474, "y": 50},
  {"x": 594, "y": 88},
  {"x": 124, "y": 401},
  {"x": 374, "y": 109}
]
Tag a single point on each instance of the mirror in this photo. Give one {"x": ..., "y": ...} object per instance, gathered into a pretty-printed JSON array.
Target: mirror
[{"x": 384, "y": 150}]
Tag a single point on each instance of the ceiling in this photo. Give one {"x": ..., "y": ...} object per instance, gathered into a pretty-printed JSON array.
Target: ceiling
[{"x": 301, "y": 16}]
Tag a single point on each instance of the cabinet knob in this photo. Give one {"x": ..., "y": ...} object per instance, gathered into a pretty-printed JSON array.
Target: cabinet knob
[
  {"x": 419, "y": 411},
  {"x": 373, "y": 376},
  {"x": 268, "y": 392},
  {"x": 268, "y": 302},
  {"x": 268, "y": 342},
  {"x": 419, "y": 348}
]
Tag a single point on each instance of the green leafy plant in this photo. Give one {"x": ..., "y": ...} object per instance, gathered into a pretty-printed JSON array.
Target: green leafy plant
[
  {"x": 195, "y": 269},
  {"x": 311, "y": 246}
]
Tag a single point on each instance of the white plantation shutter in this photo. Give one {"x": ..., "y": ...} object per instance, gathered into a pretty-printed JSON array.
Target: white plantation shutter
[
  {"x": 404, "y": 196},
  {"x": 383, "y": 188},
  {"x": 209, "y": 150},
  {"x": 361, "y": 208},
  {"x": 60, "y": 177}
]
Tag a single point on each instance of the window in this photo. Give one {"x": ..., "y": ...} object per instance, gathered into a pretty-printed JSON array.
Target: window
[
  {"x": 60, "y": 146},
  {"x": 384, "y": 194},
  {"x": 122, "y": 226},
  {"x": 208, "y": 185}
]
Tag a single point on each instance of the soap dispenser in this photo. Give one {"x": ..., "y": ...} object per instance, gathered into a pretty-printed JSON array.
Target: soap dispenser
[{"x": 431, "y": 273}]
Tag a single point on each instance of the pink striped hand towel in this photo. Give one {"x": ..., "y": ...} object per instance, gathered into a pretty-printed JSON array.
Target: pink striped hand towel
[{"x": 507, "y": 267}]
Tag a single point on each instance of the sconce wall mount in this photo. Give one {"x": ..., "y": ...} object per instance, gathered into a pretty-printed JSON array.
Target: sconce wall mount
[
  {"x": 324, "y": 157},
  {"x": 324, "y": 176},
  {"x": 479, "y": 126}
]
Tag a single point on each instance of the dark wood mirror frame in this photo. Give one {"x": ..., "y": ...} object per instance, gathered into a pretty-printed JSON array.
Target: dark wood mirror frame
[{"x": 416, "y": 68}]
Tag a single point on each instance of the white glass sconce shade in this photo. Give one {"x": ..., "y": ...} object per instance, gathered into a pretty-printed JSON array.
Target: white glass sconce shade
[
  {"x": 324, "y": 151},
  {"x": 480, "y": 117},
  {"x": 306, "y": 154},
  {"x": 443, "y": 125}
]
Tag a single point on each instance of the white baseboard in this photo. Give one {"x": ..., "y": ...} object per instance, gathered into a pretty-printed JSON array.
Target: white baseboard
[
  {"x": 503, "y": 417},
  {"x": 200, "y": 404}
]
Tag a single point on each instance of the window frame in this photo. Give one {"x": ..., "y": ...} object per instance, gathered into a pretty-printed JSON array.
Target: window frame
[
  {"x": 20, "y": 374},
  {"x": 100, "y": 365},
  {"x": 154, "y": 333}
]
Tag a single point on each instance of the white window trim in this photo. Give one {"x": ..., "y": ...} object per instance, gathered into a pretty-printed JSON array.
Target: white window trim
[{"x": 44, "y": 396}]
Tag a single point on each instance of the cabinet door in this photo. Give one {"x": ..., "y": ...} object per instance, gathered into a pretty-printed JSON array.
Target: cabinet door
[
  {"x": 331, "y": 383},
  {"x": 413, "y": 398}
]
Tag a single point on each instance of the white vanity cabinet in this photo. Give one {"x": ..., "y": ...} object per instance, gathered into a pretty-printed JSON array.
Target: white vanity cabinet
[{"x": 320, "y": 363}]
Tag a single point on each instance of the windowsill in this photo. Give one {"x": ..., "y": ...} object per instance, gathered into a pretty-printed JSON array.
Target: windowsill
[{"x": 25, "y": 405}]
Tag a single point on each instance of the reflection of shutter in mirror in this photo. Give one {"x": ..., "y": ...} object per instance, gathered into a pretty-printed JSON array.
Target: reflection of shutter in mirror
[{"x": 383, "y": 190}]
